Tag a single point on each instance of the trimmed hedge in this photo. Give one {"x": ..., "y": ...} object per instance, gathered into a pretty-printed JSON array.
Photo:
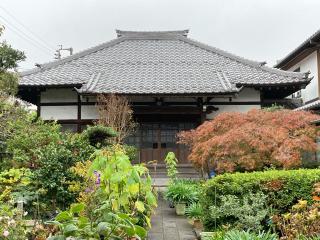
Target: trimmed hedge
[{"x": 282, "y": 187}]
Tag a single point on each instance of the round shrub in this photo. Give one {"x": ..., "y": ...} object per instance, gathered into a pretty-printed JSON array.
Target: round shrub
[
  {"x": 99, "y": 135},
  {"x": 283, "y": 188}
]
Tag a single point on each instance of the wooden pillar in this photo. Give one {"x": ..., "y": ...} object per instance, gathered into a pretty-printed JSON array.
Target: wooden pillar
[
  {"x": 79, "y": 114},
  {"x": 203, "y": 116},
  {"x": 38, "y": 100}
]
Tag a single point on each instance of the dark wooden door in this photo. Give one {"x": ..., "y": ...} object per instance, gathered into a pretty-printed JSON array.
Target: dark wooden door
[
  {"x": 149, "y": 147},
  {"x": 157, "y": 139}
]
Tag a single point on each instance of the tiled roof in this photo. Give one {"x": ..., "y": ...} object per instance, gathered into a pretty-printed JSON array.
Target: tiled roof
[
  {"x": 309, "y": 106},
  {"x": 157, "y": 62}
]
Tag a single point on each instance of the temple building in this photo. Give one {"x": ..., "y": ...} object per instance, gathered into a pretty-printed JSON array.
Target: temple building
[{"x": 173, "y": 83}]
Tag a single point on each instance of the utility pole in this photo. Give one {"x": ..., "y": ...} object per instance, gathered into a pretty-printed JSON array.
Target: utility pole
[{"x": 57, "y": 55}]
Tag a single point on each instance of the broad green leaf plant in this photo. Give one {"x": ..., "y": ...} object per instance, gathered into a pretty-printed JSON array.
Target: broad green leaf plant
[
  {"x": 118, "y": 204},
  {"x": 171, "y": 165}
]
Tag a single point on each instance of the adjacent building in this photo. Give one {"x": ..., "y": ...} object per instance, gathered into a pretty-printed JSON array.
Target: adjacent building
[
  {"x": 306, "y": 58},
  {"x": 174, "y": 83}
]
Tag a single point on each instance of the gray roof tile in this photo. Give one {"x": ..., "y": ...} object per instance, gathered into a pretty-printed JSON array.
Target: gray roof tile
[{"x": 157, "y": 62}]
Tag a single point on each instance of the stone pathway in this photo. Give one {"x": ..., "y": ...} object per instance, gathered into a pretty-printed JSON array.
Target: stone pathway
[{"x": 166, "y": 225}]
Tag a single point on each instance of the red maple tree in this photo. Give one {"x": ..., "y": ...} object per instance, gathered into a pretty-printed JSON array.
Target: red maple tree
[{"x": 251, "y": 141}]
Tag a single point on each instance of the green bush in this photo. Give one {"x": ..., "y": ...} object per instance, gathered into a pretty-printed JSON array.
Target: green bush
[
  {"x": 238, "y": 235},
  {"x": 246, "y": 213},
  {"x": 283, "y": 188},
  {"x": 28, "y": 136},
  {"x": 181, "y": 192},
  {"x": 99, "y": 135},
  {"x": 52, "y": 176},
  {"x": 79, "y": 146},
  {"x": 12, "y": 227},
  {"x": 246, "y": 235},
  {"x": 194, "y": 211},
  {"x": 131, "y": 152}
]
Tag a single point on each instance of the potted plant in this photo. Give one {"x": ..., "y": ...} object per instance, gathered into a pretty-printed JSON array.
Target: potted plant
[
  {"x": 195, "y": 212},
  {"x": 182, "y": 195}
]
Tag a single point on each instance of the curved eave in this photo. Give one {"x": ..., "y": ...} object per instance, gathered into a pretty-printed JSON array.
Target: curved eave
[
  {"x": 197, "y": 94},
  {"x": 51, "y": 85},
  {"x": 300, "y": 83}
]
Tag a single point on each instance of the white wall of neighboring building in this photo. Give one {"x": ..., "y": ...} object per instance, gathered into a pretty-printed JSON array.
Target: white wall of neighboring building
[{"x": 309, "y": 63}]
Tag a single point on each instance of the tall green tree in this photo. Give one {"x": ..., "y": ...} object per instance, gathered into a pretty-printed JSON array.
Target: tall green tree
[{"x": 9, "y": 59}]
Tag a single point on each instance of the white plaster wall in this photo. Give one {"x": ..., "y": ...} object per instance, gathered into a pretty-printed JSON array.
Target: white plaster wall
[
  {"x": 232, "y": 108},
  {"x": 58, "y": 112},
  {"x": 246, "y": 95},
  {"x": 59, "y": 95},
  {"x": 89, "y": 112},
  {"x": 309, "y": 64}
]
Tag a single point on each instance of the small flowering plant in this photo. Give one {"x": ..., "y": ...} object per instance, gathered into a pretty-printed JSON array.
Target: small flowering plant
[
  {"x": 11, "y": 225},
  {"x": 316, "y": 192},
  {"x": 303, "y": 219}
]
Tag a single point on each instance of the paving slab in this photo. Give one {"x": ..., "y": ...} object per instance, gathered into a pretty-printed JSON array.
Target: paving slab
[{"x": 166, "y": 225}]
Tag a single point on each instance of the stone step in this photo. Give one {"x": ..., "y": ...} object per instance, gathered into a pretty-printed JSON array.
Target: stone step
[
  {"x": 179, "y": 176},
  {"x": 159, "y": 171},
  {"x": 184, "y": 170}
]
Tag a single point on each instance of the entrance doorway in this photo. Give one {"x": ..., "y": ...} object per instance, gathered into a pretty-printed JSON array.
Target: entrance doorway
[{"x": 155, "y": 139}]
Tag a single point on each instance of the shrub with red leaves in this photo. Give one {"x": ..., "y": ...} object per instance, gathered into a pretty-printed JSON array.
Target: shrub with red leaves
[{"x": 250, "y": 141}]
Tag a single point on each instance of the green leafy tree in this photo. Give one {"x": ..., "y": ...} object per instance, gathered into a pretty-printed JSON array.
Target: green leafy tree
[
  {"x": 52, "y": 176},
  {"x": 26, "y": 137},
  {"x": 9, "y": 59}
]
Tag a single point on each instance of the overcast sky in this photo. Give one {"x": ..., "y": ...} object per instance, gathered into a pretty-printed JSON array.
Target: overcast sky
[{"x": 263, "y": 30}]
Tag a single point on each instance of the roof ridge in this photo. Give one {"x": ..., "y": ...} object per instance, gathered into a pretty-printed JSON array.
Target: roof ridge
[
  {"x": 252, "y": 63},
  {"x": 125, "y": 35},
  {"x": 121, "y": 33}
]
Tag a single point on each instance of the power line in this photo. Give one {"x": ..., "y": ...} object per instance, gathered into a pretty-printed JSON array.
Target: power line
[
  {"x": 35, "y": 45},
  {"x": 17, "y": 29},
  {"x": 27, "y": 28},
  {"x": 30, "y": 41},
  {"x": 26, "y": 37}
]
